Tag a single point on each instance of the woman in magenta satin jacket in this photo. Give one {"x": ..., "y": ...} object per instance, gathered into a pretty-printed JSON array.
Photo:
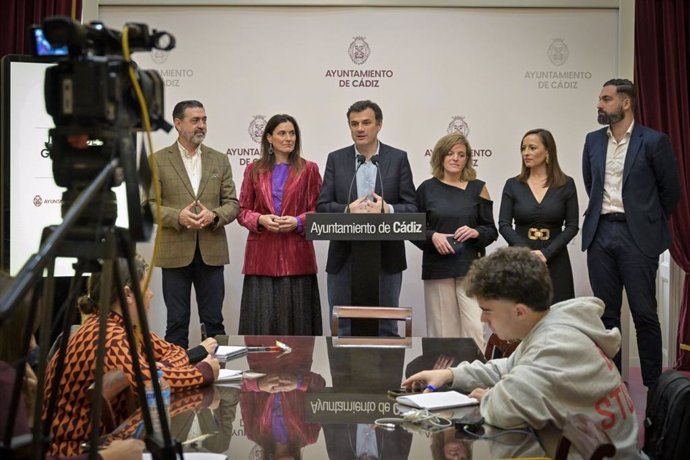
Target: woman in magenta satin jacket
[{"x": 280, "y": 293}]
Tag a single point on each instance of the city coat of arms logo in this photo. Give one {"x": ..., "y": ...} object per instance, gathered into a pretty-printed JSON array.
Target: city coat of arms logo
[
  {"x": 458, "y": 125},
  {"x": 256, "y": 128},
  {"x": 558, "y": 52},
  {"x": 359, "y": 50}
]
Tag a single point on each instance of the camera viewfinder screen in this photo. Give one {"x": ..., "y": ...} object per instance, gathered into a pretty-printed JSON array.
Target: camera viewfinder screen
[{"x": 43, "y": 46}]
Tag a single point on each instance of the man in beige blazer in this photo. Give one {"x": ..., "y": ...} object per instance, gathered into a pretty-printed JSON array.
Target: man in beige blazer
[{"x": 197, "y": 201}]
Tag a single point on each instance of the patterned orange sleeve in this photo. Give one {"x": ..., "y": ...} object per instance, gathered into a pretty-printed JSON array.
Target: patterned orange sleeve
[
  {"x": 178, "y": 372},
  {"x": 70, "y": 424},
  {"x": 168, "y": 353}
]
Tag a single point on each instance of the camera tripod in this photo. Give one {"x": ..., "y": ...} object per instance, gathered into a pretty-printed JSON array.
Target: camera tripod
[{"x": 97, "y": 248}]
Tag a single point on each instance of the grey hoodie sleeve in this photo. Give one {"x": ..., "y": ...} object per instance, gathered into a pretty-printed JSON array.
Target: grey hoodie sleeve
[{"x": 468, "y": 376}]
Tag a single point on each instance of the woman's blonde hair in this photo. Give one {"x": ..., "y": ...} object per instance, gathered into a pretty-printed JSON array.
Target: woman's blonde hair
[
  {"x": 89, "y": 302},
  {"x": 442, "y": 149}
]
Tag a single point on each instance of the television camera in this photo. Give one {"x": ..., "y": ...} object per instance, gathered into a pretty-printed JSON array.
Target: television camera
[{"x": 97, "y": 108}]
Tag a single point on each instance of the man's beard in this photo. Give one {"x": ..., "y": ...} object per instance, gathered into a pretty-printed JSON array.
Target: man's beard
[
  {"x": 609, "y": 118},
  {"x": 197, "y": 138}
]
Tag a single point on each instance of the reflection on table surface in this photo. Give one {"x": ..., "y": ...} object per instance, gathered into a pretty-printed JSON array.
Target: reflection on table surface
[{"x": 320, "y": 401}]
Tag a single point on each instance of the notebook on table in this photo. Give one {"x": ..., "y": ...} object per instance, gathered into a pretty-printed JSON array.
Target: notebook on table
[
  {"x": 436, "y": 400},
  {"x": 229, "y": 375},
  {"x": 226, "y": 352}
]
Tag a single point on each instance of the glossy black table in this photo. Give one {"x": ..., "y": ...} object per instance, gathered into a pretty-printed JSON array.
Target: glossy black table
[{"x": 320, "y": 401}]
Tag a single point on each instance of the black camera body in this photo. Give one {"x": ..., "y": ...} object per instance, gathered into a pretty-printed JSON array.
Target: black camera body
[
  {"x": 93, "y": 101},
  {"x": 96, "y": 91},
  {"x": 92, "y": 86}
]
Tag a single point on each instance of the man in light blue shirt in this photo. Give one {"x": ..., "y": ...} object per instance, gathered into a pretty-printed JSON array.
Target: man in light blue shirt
[{"x": 365, "y": 119}]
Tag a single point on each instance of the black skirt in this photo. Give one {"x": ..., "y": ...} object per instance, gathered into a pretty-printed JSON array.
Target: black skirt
[{"x": 281, "y": 305}]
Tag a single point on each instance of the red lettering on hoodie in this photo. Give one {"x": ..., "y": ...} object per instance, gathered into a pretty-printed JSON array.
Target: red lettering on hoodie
[
  {"x": 618, "y": 400},
  {"x": 609, "y": 417}
]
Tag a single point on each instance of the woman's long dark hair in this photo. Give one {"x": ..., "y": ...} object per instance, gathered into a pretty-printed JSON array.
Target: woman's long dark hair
[{"x": 268, "y": 161}]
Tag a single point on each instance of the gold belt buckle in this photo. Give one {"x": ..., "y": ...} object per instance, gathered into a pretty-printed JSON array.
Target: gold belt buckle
[{"x": 538, "y": 234}]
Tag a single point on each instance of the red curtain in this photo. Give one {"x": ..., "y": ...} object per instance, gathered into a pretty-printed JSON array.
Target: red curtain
[
  {"x": 20, "y": 14},
  {"x": 662, "y": 37}
]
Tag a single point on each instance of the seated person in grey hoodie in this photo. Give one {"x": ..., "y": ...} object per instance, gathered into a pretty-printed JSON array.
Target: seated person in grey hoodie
[{"x": 562, "y": 366}]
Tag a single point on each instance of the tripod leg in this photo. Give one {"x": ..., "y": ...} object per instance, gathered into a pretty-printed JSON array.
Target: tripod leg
[
  {"x": 170, "y": 448},
  {"x": 68, "y": 313}
]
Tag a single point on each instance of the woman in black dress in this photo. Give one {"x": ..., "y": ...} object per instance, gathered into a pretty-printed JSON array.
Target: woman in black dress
[
  {"x": 539, "y": 210},
  {"x": 460, "y": 224}
]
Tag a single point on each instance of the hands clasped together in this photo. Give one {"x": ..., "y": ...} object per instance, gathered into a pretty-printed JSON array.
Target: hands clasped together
[
  {"x": 364, "y": 204},
  {"x": 190, "y": 219},
  {"x": 278, "y": 224},
  {"x": 276, "y": 383}
]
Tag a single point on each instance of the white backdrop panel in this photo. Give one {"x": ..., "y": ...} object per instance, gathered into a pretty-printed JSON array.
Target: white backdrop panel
[
  {"x": 34, "y": 199},
  {"x": 498, "y": 72}
]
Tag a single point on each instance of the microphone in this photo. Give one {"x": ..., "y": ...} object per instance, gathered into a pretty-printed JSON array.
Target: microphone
[
  {"x": 375, "y": 161},
  {"x": 360, "y": 161}
]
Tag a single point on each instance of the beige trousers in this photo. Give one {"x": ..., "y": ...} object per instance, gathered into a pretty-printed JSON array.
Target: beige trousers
[{"x": 450, "y": 312}]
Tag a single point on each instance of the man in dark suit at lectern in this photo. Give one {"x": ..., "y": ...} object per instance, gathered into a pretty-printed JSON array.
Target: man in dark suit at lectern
[
  {"x": 369, "y": 163},
  {"x": 631, "y": 178}
]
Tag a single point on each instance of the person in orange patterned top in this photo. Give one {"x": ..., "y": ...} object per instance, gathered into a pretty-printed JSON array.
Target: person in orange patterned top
[{"x": 71, "y": 421}]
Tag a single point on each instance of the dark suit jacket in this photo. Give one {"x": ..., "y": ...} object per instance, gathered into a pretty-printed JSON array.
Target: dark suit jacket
[
  {"x": 341, "y": 442},
  {"x": 216, "y": 192},
  {"x": 650, "y": 187},
  {"x": 398, "y": 190}
]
